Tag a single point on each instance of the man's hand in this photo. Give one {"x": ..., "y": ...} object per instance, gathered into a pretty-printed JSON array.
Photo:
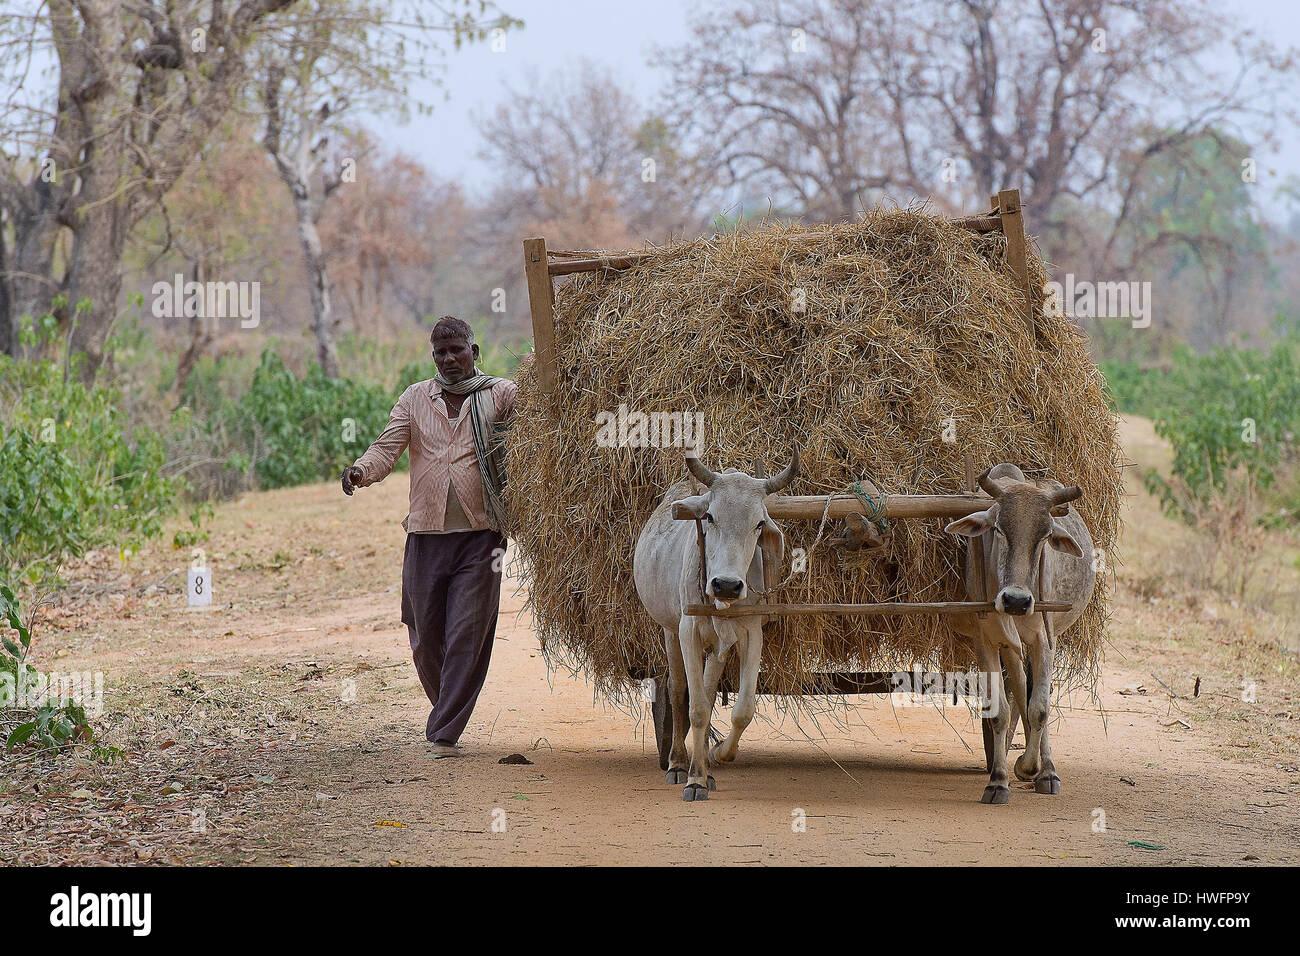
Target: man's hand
[{"x": 352, "y": 477}]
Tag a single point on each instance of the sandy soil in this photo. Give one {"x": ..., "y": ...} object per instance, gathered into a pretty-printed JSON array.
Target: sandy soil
[
  {"x": 286, "y": 726},
  {"x": 892, "y": 785}
]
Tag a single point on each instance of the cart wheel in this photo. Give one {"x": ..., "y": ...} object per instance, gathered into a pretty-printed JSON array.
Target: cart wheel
[{"x": 663, "y": 720}]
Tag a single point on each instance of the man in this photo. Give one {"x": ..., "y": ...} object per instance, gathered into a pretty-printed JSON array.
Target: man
[{"x": 451, "y": 573}]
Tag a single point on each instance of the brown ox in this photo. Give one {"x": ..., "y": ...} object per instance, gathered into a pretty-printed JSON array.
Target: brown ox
[{"x": 1035, "y": 547}]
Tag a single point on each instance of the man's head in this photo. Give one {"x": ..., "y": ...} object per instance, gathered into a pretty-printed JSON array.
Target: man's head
[{"x": 454, "y": 349}]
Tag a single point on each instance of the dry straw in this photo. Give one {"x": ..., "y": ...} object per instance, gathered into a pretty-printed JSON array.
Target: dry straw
[{"x": 858, "y": 342}]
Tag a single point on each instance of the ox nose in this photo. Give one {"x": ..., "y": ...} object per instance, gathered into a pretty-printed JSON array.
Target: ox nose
[
  {"x": 1015, "y": 601},
  {"x": 727, "y": 589}
]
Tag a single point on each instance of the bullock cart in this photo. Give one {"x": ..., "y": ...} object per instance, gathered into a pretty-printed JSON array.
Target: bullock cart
[
  {"x": 552, "y": 377},
  {"x": 818, "y": 507}
]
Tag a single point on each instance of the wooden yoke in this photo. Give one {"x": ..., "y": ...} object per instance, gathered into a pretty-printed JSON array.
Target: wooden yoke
[{"x": 894, "y": 506}]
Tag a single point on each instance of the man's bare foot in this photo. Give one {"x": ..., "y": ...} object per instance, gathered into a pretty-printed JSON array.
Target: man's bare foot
[{"x": 440, "y": 748}]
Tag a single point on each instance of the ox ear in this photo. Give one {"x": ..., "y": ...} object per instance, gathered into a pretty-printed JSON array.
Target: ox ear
[
  {"x": 771, "y": 544},
  {"x": 695, "y": 504},
  {"x": 972, "y": 526},
  {"x": 1061, "y": 540}
]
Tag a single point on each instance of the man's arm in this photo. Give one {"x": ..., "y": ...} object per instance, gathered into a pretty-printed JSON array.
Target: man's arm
[{"x": 381, "y": 456}]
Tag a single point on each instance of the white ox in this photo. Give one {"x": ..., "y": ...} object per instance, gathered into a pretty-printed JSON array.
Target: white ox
[
  {"x": 743, "y": 550},
  {"x": 1033, "y": 543}
]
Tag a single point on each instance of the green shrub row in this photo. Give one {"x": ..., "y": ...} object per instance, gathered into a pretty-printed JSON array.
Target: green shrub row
[{"x": 1225, "y": 413}]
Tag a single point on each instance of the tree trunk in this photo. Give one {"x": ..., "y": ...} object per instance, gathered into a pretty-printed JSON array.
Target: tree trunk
[
  {"x": 324, "y": 322},
  {"x": 95, "y": 271},
  {"x": 93, "y": 118},
  {"x": 31, "y": 284},
  {"x": 296, "y": 162},
  {"x": 200, "y": 339},
  {"x": 8, "y": 334}
]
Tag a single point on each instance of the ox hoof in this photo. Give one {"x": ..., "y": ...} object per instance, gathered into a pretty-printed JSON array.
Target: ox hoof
[
  {"x": 1024, "y": 769},
  {"x": 1048, "y": 783},
  {"x": 675, "y": 775},
  {"x": 713, "y": 784},
  {"x": 717, "y": 757},
  {"x": 994, "y": 794},
  {"x": 694, "y": 792}
]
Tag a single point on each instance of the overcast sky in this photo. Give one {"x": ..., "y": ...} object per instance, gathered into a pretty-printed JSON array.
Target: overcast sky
[
  {"x": 615, "y": 33},
  {"x": 621, "y": 34}
]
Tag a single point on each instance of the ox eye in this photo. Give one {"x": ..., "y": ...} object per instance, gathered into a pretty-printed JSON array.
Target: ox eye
[{"x": 708, "y": 517}]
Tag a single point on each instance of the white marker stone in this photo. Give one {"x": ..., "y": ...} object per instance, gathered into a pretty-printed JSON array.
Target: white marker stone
[{"x": 199, "y": 586}]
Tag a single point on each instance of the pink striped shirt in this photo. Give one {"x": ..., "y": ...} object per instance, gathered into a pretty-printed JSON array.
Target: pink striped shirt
[{"x": 442, "y": 454}]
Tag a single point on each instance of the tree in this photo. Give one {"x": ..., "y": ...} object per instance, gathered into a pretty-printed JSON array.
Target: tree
[
  {"x": 580, "y": 159},
  {"x": 225, "y": 219},
  {"x": 140, "y": 87},
  {"x": 581, "y": 162},
  {"x": 341, "y": 54},
  {"x": 827, "y": 103},
  {"x": 386, "y": 236},
  {"x": 1190, "y": 222},
  {"x": 782, "y": 97}
]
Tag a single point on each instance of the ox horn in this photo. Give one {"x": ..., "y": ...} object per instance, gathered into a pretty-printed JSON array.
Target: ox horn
[
  {"x": 991, "y": 487},
  {"x": 775, "y": 484},
  {"x": 1063, "y": 496},
  {"x": 702, "y": 474}
]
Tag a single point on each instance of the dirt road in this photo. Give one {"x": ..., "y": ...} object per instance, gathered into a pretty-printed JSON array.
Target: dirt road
[
  {"x": 285, "y": 726},
  {"x": 889, "y": 786}
]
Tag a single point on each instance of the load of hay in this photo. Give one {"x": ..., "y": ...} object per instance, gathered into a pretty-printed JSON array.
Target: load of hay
[{"x": 866, "y": 344}]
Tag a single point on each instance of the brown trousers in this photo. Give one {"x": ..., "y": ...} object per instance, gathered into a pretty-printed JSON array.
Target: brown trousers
[{"x": 450, "y": 595}]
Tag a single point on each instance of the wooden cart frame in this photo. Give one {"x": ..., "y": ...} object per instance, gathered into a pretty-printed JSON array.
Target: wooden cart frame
[{"x": 1006, "y": 215}]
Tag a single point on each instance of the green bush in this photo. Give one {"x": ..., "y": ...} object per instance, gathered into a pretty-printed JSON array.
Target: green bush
[
  {"x": 1228, "y": 413},
  {"x": 1129, "y": 386},
  {"x": 27, "y": 714},
  {"x": 308, "y": 429},
  {"x": 74, "y": 473},
  {"x": 77, "y": 473}
]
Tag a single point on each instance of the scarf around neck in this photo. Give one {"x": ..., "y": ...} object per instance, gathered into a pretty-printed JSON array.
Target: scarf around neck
[
  {"x": 489, "y": 446},
  {"x": 466, "y": 385}
]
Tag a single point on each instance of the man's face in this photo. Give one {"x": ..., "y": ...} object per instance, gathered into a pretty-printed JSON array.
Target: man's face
[{"x": 455, "y": 357}]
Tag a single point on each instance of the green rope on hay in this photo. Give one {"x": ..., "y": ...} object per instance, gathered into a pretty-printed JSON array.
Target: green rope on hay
[{"x": 875, "y": 505}]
